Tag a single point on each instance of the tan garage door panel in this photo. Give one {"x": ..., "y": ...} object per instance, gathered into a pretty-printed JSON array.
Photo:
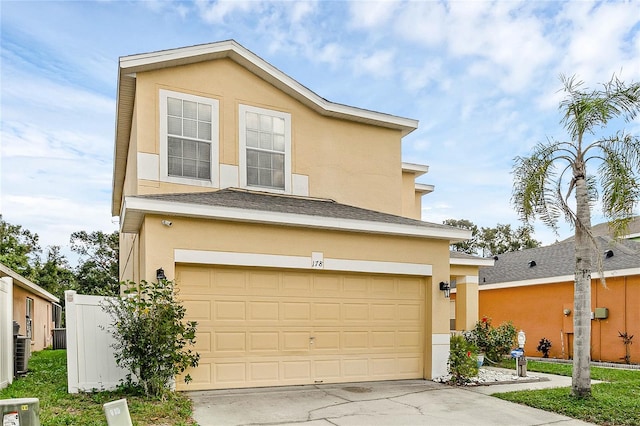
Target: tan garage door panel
[{"x": 269, "y": 327}]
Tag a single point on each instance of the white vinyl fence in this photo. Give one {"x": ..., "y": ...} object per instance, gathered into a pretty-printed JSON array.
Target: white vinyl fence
[
  {"x": 91, "y": 363},
  {"x": 6, "y": 331}
]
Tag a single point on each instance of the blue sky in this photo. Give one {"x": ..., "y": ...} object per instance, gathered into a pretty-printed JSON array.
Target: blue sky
[{"x": 480, "y": 76}]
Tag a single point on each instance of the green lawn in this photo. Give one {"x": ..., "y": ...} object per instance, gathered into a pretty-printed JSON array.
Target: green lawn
[
  {"x": 616, "y": 402},
  {"x": 47, "y": 381}
]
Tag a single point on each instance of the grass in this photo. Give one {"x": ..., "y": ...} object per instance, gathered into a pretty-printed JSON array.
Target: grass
[
  {"x": 616, "y": 402},
  {"x": 47, "y": 381}
]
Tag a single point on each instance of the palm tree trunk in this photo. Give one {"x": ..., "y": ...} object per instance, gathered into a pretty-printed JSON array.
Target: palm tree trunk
[{"x": 581, "y": 377}]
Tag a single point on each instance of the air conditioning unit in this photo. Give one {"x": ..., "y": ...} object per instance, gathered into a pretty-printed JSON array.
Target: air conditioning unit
[
  {"x": 22, "y": 353},
  {"x": 20, "y": 412},
  {"x": 59, "y": 338}
]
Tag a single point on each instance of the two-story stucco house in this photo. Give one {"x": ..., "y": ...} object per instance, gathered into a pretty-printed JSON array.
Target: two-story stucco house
[{"x": 289, "y": 223}]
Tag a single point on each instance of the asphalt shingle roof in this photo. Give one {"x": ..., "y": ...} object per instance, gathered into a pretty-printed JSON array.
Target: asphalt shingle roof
[
  {"x": 261, "y": 201},
  {"x": 558, "y": 260},
  {"x": 602, "y": 229}
]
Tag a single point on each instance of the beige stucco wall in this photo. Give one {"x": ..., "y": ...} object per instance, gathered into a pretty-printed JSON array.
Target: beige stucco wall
[
  {"x": 411, "y": 201},
  {"x": 41, "y": 321},
  {"x": 349, "y": 162},
  {"x": 158, "y": 242}
]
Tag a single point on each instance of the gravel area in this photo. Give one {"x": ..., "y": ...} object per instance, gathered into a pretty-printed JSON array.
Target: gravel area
[{"x": 493, "y": 376}]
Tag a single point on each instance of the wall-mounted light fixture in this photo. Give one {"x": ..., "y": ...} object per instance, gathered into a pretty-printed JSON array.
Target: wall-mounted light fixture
[
  {"x": 160, "y": 274},
  {"x": 566, "y": 312},
  {"x": 444, "y": 286},
  {"x": 532, "y": 263},
  {"x": 608, "y": 254}
]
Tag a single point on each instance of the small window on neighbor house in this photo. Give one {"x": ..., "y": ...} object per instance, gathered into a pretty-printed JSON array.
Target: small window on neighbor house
[
  {"x": 265, "y": 146},
  {"x": 29, "y": 318},
  {"x": 188, "y": 135}
]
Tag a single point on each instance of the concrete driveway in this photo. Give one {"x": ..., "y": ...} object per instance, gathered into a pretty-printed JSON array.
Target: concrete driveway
[{"x": 404, "y": 402}]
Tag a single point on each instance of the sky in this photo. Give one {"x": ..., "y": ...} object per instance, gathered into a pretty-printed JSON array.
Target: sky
[{"x": 482, "y": 78}]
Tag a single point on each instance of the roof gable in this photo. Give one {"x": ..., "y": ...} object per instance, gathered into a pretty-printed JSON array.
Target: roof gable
[{"x": 130, "y": 65}]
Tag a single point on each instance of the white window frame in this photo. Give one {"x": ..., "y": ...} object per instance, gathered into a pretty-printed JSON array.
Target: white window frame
[
  {"x": 242, "y": 161},
  {"x": 29, "y": 313},
  {"x": 215, "y": 143}
]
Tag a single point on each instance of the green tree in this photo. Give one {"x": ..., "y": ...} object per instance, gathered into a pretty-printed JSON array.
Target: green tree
[
  {"x": 97, "y": 270},
  {"x": 492, "y": 241},
  {"x": 503, "y": 239},
  {"x": 19, "y": 248},
  {"x": 55, "y": 275},
  {"x": 469, "y": 246},
  {"x": 545, "y": 180}
]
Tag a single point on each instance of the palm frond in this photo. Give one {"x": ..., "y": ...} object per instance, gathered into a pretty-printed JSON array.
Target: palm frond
[
  {"x": 534, "y": 193},
  {"x": 620, "y": 179},
  {"x": 585, "y": 112}
]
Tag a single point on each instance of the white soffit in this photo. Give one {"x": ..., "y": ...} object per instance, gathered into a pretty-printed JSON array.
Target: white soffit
[
  {"x": 417, "y": 169},
  {"x": 134, "y": 210},
  {"x": 471, "y": 262},
  {"x": 422, "y": 188}
]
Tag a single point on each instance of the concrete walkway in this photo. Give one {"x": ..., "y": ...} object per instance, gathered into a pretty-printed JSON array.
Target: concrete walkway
[{"x": 404, "y": 402}]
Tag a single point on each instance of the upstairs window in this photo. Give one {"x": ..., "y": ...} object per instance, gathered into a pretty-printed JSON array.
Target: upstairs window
[
  {"x": 189, "y": 133},
  {"x": 265, "y": 149}
]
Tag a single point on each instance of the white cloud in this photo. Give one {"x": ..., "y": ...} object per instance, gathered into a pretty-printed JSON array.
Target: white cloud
[
  {"x": 422, "y": 22},
  {"x": 371, "y": 14},
  {"x": 217, "y": 11},
  {"x": 378, "y": 64},
  {"x": 600, "y": 40},
  {"x": 301, "y": 10}
]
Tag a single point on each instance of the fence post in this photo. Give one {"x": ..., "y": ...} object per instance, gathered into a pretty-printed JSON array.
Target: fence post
[
  {"x": 72, "y": 341},
  {"x": 6, "y": 331}
]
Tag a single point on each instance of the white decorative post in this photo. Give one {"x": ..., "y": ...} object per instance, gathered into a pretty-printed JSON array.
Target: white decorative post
[{"x": 521, "y": 362}]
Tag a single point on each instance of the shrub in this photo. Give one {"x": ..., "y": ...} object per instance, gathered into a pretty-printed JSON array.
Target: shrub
[
  {"x": 494, "y": 342},
  {"x": 150, "y": 335},
  {"x": 463, "y": 360},
  {"x": 627, "y": 342},
  {"x": 544, "y": 346}
]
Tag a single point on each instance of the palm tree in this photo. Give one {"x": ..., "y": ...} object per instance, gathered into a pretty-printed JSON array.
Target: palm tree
[{"x": 544, "y": 181}]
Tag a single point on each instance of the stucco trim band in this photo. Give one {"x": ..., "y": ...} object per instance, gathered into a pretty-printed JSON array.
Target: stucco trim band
[{"x": 298, "y": 262}]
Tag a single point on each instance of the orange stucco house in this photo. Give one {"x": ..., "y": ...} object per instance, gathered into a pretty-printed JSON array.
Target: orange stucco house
[
  {"x": 534, "y": 289},
  {"x": 290, "y": 223}
]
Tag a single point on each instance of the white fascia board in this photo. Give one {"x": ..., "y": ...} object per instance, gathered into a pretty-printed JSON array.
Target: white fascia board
[
  {"x": 559, "y": 279},
  {"x": 205, "y": 257},
  {"x": 471, "y": 262},
  {"x": 134, "y": 210},
  {"x": 417, "y": 169},
  {"x": 253, "y": 62},
  {"x": 422, "y": 188}
]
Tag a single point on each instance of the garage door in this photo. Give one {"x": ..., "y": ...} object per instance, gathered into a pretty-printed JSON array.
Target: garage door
[{"x": 266, "y": 327}]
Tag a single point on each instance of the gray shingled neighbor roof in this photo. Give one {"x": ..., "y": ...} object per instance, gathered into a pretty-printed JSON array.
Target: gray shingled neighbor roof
[
  {"x": 557, "y": 260},
  {"x": 602, "y": 229},
  {"x": 261, "y": 201}
]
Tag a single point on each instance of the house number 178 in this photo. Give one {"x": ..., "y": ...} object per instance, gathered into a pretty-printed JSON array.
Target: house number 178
[{"x": 317, "y": 260}]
